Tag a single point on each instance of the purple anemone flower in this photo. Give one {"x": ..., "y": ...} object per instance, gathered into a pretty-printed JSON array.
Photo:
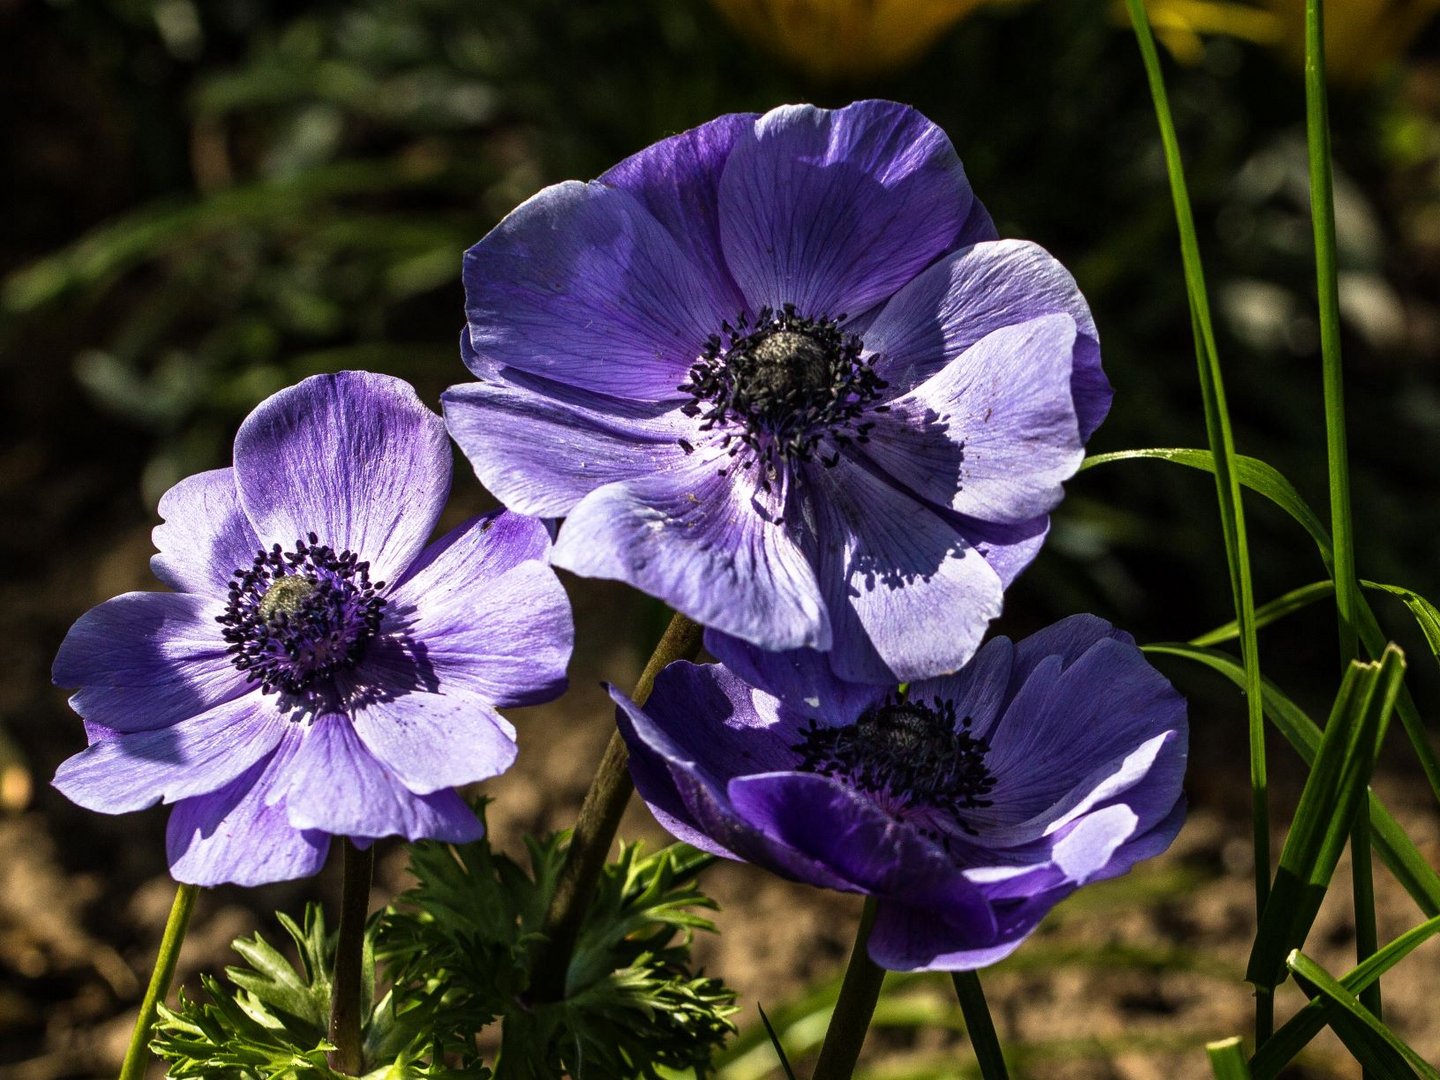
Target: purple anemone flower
[
  {"x": 967, "y": 807},
  {"x": 319, "y": 669},
  {"x": 779, "y": 372}
]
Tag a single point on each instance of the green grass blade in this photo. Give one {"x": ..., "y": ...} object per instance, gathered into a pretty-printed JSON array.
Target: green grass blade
[
  {"x": 1333, "y": 795},
  {"x": 775, "y": 1042},
  {"x": 1393, "y": 845},
  {"x": 1297, "y": 1032},
  {"x": 1427, "y": 616},
  {"x": 1265, "y": 480},
  {"x": 1377, "y": 1047},
  {"x": 980, "y": 1025},
  {"x": 1259, "y": 476},
  {"x": 1227, "y": 483},
  {"x": 1227, "y": 1059},
  {"x": 1293, "y": 601}
]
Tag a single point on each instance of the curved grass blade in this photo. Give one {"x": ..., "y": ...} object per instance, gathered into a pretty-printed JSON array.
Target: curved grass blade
[
  {"x": 1333, "y": 795},
  {"x": 1374, "y": 1045},
  {"x": 1227, "y": 1059},
  {"x": 1297, "y": 1032},
  {"x": 1392, "y": 844},
  {"x": 1293, "y": 601},
  {"x": 1264, "y": 479}
]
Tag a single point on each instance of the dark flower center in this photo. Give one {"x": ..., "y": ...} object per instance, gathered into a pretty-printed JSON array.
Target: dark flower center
[
  {"x": 914, "y": 758},
  {"x": 296, "y": 616},
  {"x": 777, "y": 389}
]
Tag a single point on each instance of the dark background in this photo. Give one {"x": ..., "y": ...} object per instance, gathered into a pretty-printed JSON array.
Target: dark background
[{"x": 203, "y": 203}]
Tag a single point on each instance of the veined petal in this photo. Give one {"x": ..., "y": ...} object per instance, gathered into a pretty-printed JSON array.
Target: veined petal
[
  {"x": 910, "y": 937},
  {"x": 334, "y": 784},
  {"x": 844, "y": 831},
  {"x": 801, "y": 678},
  {"x": 239, "y": 835},
  {"x": 713, "y": 547},
  {"x": 355, "y": 458},
  {"x": 542, "y": 447},
  {"x": 834, "y": 210},
  {"x": 992, "y": 434},
  {"x": 973, "y": 292},
  {"x": 908, "y": 595},
  {"x": 686, "y": 793},
  {"x": 147, "y": 660},
  {"x": 205, "y": 536},
  {"x": 481, "y": 549},
  {"x": 678, "y": 181},
  {"x": 193, "y": 757},
  {"x": 504, "y": 639},
  {"x": 435, "y": 741},
  {"x": 582, "y": 285}
]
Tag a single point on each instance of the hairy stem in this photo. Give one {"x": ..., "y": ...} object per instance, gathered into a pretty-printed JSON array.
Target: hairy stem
[
  {"x": 595, "y": 827},
  {"x": 851, "y": 1020},
  {"x": 346, "y": 991},
  {"x": 137, "y": 1055}
]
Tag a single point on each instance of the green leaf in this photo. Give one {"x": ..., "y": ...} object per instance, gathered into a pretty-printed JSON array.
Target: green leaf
[
  {"x": 1227, "y": 1059},
  {"x": 1374, "y": 1045},
  {"x": 1427, "y": 616},
  {"x": 1265, "y": 480},
  {"x": 1293, "y": 601},
  {"x": 1393, "y": 845},
  {"x": 1259, "y": 476},
  {"x": 1278, "y": 1051},
  {"x": 1333, "y": 794}
]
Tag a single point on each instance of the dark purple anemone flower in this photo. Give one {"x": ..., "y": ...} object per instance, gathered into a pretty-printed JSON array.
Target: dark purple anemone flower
[
  {"x": 319, "y": 669},
  {"x": 779, "y": 372},
  {"x": 967, "y": 807}
]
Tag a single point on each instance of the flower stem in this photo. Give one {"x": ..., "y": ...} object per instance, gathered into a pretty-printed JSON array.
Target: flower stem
[
  {"x": 595, "y": 827},
  {"x": 137, "y": 1056},
  {"x": 345, "y": 988},
  {"x": 981, "y": 1027},
  {"x": 856, "y": 1004}
]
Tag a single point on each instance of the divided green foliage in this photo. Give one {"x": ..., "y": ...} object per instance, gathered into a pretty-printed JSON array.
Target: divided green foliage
[
  {"x": 1333, "y": 794},
  {"x": 270, "y": 1022},
  {"x": 458, "y": 947},
  {"x": 454, "y": 951}
]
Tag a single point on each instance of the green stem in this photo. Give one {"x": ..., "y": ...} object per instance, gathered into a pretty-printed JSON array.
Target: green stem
[
  {"x": 595, "y": 828},
  {"x": 853, "y": 1008},
  {"x": 138, "y": 1054},
  {"x": 1227, "y": 480},
  {"x": 1347, "y": 584},
  {"x": 981, "y": 1027},
  {"x": 346, "y": 1023}
]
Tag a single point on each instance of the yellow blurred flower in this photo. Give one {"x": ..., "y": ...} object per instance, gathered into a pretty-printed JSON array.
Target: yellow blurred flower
[
  {"x": 834, "y": 39},
  {"x": 1361, "y": 36}
]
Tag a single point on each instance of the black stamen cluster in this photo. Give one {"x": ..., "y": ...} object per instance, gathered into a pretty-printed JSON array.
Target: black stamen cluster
[
  {"x": 296, "y": 616},
  {"x": 916, "y": 756},
  {"x": 778, "y": 387}
]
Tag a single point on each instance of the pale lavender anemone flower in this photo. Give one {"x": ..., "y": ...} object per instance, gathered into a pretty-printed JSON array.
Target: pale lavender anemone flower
[
  {"x": 967, "y": 808},
  {"x": 779, "y": 372},
  {"x": 319, "y": 669}
]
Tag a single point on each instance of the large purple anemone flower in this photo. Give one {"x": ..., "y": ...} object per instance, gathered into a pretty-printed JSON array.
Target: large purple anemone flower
[
  {"x": 779, "y": 372},
  {"x": 319, "y": 669},
  {"x": 967, "y": 807}
]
